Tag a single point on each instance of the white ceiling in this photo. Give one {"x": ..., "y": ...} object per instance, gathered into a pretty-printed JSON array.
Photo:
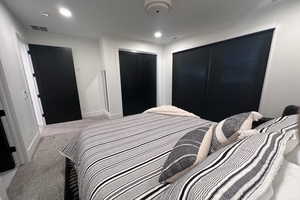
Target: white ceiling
[{"x": 127, "y": 18}]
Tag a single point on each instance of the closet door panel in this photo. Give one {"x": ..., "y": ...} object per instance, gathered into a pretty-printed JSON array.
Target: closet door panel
[
  {"x": 237, "y": 74},
  {"x": 147, "y": 84},
  {"x": 190, "y": 70},
  {"x": 138, "y": 82},
  {"x": 56, "y": 80}
]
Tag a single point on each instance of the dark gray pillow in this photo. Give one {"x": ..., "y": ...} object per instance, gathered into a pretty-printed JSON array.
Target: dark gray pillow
[
  {"x": 191, "y": 149},
  {"x": 230, "y": 129}
]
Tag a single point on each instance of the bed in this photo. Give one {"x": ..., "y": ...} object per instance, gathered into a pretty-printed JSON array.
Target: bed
[{"x": 122, "y": 159}]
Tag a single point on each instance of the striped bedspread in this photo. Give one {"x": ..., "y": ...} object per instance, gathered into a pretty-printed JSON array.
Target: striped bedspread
[{"x": 122, "y": 160}]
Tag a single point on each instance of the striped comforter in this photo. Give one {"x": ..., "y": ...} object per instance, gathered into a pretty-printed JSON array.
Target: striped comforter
[{"x": 122, "y": 160}]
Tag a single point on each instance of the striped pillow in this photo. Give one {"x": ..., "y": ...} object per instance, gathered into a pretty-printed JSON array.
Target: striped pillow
[
  {"x": 191, "y": 149},
  {"x": 232, "y": 128}
]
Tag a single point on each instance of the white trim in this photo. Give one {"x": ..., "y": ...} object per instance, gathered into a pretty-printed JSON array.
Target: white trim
[
  {"x": 269, "y": 67},
  {"x": 33, "y": 145},
  {"x": 12, "y": 119},
  {"x": 103, "y": 80},
  {"x": 115, "y": 115},
  {"x": 95, "y": 114},
  {"x": 30, "y": 80},
  {"x": 137, "y": 51}
]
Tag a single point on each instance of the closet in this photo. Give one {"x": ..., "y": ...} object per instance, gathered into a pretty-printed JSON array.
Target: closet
[
  {"x": 221, "y": 79},
  {"x": 138, "y": 81},
  {"x": 56, "y": 80}
]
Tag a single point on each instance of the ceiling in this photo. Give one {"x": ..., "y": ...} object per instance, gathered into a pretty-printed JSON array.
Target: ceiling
[{"x": 127, "y": 18}]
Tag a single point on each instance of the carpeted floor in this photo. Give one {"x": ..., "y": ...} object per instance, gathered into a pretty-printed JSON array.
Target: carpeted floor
[{"x": 43, "y": 178}]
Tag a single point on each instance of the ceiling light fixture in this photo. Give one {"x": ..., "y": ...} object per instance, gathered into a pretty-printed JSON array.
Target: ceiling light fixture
[
  {"x": 65, "y": 12},
  {"x": 158, "y": 34},
  {"x": 44, "y": 14}
]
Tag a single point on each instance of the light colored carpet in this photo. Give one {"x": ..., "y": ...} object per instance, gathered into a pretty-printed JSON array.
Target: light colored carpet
[
  {"x": 70, "y": 127},
  {"x": 43, "y": 177}
]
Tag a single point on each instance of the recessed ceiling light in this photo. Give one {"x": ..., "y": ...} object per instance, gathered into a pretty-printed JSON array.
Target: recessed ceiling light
[
  {"x": 158, "y": 34},
  {"x": 45, "y": 14},
  {"x": 65, "y": 12}
]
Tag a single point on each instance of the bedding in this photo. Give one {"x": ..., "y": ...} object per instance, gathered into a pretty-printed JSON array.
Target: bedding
[
  {"x": 294, "y": 155},
  {"x": 286, "y": 184},
  {"x": 232, "y": 128},
  {"x": 191, "y": 149},
  {"x": 122, "y": 159},
  {"x": 242, "y": 170},
  {"x": 170, "y": 110}
]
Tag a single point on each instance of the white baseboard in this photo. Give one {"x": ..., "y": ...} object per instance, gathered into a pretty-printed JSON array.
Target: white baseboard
[
  {"x": 115, "y": 115},
  {"x": 102, "y": 113},
  {"x": 33, "y": 145},
  {"x": 97, "y": 114}
]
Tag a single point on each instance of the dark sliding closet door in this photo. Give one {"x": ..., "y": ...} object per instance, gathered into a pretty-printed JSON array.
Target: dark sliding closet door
[
  {"x": 55, "y": 75},
  {"x": 222, "y": 79},
  {"x": 238, "y": 69},
  {"x": 190, "y": 69},
  {"x": 138, "y": 82}
]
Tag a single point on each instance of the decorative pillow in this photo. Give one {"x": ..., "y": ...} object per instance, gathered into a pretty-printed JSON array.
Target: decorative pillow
[
  {"x": 232, "y": 128},
  {"x": 191, "y": 149}
]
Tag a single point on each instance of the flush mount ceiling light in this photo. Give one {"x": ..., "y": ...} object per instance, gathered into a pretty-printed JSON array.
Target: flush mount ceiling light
[
  {"x": 157, "y": 34},
  {"x": 44, "y": 14},
  {"x": 65, "y": 12},
  {"x": 158, "y": 7}
]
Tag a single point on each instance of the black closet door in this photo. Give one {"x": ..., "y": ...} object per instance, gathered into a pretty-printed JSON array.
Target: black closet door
[
  {"x": 7, "y": 160},
  {"x": 190, "y": 73},
  {"x": 237, "y": 75},
  {"x": 55, "y": 75},
  {"x": 138, "y": 82}
]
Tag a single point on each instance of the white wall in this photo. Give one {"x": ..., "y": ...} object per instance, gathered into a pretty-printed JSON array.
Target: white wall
[
  {"x": 19, "y": 107},
  {"x": 110, "y": 47},
  {"x": 282, "y": 82},
  {"x": 88, "y": 66}
]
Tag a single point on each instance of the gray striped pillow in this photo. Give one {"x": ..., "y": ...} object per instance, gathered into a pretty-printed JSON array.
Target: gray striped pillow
[
  {"x": 191, "y": 149},
  {"x": 232, "y": 128}
]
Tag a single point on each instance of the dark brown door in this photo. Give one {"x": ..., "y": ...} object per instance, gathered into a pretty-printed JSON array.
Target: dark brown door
[{"x": 55, "y": 75}]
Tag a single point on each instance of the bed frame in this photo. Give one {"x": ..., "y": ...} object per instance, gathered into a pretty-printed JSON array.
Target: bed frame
[{"x": 71, "y": 183}]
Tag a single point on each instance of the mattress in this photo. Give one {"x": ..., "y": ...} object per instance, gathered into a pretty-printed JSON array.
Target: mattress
[{"x": 122, "y": 159}]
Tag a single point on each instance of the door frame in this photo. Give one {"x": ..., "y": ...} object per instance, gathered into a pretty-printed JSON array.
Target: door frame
[
  {"x": 33, "y": 89},
  {"x": 119, "y": 72},
  {"x": 12, "y": 123}
]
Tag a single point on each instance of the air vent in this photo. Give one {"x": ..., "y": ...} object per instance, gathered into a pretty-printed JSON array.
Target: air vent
[{"x": 39, "y": 28}]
